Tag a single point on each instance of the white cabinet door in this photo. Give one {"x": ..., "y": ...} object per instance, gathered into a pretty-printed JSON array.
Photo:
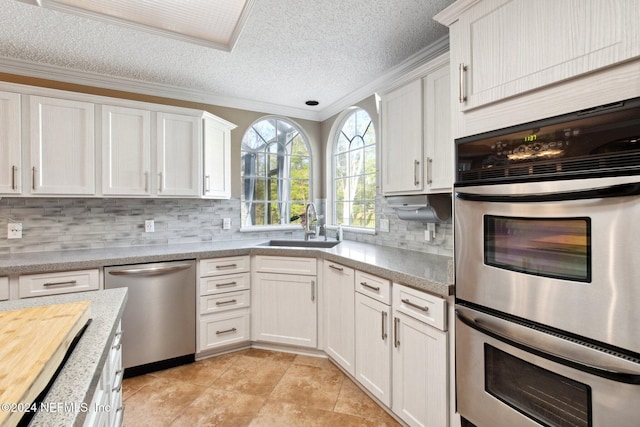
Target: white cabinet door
[
  {"x": 126, "y": 151},
  {"x": 511, "y": 47},
  {"x": 62, "y": 146},
  {"x": 285, "y": 309},
  {"x": 438, "y": 142},
  {"x": 179, "y": 150},
  {"x": 420, "y": 393},
  {"x": 402, "y": 155},
  {"x": 10, "y": 143},
  {"x": 217, "y": 158},
  {"x": 373, "y": 347},
  {"x": 339, "y": 316}
]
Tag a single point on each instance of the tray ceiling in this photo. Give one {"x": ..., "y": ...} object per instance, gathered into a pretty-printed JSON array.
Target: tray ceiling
[{"x": 332, "y": 51}]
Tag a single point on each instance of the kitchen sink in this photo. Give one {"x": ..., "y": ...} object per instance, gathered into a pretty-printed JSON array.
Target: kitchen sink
[{"x": 302, "y": 243}]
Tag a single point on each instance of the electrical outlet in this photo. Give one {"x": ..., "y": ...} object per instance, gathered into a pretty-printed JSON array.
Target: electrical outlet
[
  {"x": 14, "y": 230},
  {"x": 149, "y": 226},
  {"x": 226, "y": 223},
  {"x": 384, "y": 225}
]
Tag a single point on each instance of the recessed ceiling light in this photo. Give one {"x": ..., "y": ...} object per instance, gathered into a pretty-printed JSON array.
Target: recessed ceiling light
[
  {"x": 212, "y": 23},
  {"x": 312, "y": 103}
]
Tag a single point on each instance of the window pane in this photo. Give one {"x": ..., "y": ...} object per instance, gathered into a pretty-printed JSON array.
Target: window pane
[
  {"x": 251, "y": 140},
  {"x": 357, "y": 214},
  {"x": 341, "y": 165},
  {"x": 362, "y": 121},
  {"x": 349, "y": 127},
  {"x": 356, "y": 143},
  {"x": 342, "y": 144},
  {"x": 274, "y": 214},
  {"x": 342, "y": 213},
  {"x": 299, "y": 190},
  {"x": 356, "y": 162},
  {"x": 370, "y": 214},
  {"x": 266, "y": 129},
  {"x": 259, "y": 190},
  {"x": 370, "y": 159},
  {"x": 341, "y": 189},
  {"x": 299, "y": 167},
  {"x": 297, "y": 209},
  {"x": 357, "y": 188},
  {"x": 299, "y": 147},
  {"x": 370, "y": 136},
  {"x": 370, "y": 187},
  {"x": 259, "y": 209}
]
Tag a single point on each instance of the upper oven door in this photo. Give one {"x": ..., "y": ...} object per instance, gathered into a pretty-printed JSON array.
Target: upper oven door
[{"x": 568, "y": 260}]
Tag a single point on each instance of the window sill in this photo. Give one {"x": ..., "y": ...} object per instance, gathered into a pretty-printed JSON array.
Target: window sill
[{"x": 263, "y": 228}]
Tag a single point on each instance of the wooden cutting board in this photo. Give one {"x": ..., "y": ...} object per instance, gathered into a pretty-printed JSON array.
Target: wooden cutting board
[{"x": 33, "y": 343}]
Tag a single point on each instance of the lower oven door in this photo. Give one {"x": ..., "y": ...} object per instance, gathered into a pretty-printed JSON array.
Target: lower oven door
[{"x": 508, "y": 374}]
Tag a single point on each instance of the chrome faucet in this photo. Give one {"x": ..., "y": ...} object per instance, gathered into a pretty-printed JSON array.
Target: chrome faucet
[{"x": 307, "y": 226}]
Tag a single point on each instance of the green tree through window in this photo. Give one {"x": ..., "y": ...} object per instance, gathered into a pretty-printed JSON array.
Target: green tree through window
[
  {"x": 354, "y": 166},
  {"x": 275, "y": 172}
]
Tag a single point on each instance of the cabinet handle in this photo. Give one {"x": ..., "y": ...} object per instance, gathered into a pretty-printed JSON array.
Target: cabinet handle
[
  {"x": 207, "y": 184},
  {"x": 414, "y": 305},
  {"x": 429, "y": 170},
  {"x": 416, "y": 165},
  {"x": 226, "y": 331},
  {"x": 119, "y": 342},
  {"x": 33, "y": 178},
  {"x": 221, "y": 267},
  {"x": 161, "y": 184},
  {"x": 231, "y": 301},
  {"x": 117, "y": 388},
  {"x": 119, "y": 416},
  {"x": 313, "y": 290},
  {"x": 384, "y": 325},
  {"x": 68, "y": 282},
  {"x": 224, "y": 285},
  {"x": 13, "y": 177},
  {"x": 146, "y": 182},
  {"x": 396, "y": 329},
  {"x": 463, "y": 95},
  {"x": 336, "y": 268},
  {"x": 373, "y": 288}
]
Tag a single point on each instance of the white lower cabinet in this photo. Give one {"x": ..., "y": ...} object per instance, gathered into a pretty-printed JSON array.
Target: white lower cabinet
[
  {"x": 37, "y": 285},
  {"x": 4, "y": 288},
  {"x": 106, "y": 408},
  {"x": 339, "y": 316},
  {"x": 284, "y": 301},
  {"x": 373, "y": 347},
  {"x": 420, "y": 375},
  {"x": 223, "y": 303}
]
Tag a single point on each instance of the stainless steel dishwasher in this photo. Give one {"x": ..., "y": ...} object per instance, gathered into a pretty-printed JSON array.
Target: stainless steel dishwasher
[{"x": 159, "y": 320}]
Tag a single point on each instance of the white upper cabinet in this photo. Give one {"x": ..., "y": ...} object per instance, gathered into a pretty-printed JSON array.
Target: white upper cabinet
[
  {"x": 402, "y": 155},
  {"x": 126, "y": 151},
  {"x": 10, "y": 143},
  {"x": 217, "y": 157},
  {"x": 517, "y": 61},
  {"x": 62, "y": 147},
  {"x": 417, "y": 146},
  {"x": 179, "y": 150}
]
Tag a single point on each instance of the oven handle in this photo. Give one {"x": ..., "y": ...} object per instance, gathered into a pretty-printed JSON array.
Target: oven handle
[
  {"x": 619, "y": 376},
  {"x": 619, "y": 190}
]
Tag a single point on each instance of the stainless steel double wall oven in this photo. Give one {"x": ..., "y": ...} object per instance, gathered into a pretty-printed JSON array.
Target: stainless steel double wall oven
[{"x": 547, "y": 238}]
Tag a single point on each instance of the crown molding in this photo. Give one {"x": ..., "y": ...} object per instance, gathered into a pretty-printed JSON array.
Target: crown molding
[{"x": 408, "y": 69}]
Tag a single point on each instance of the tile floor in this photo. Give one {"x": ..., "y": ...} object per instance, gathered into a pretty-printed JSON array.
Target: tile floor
[{"x": 250, "y": 388}]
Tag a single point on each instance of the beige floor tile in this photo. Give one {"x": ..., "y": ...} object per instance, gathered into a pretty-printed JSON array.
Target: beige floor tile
[
  {"x": 309, "y": 386},
  {"x": 159, "y": 402},
  {"x": 320, "y": 362},
  {"x": 203, "y": 372},
  {"x": 268, "y": 354},
  {"x": 132, "y": 385},
  {"x": 220, "y": 408},
  {"x": 252, "y": 375},
  {"x": 282, "y": 414},
  {"x": 353, "y": 401}
]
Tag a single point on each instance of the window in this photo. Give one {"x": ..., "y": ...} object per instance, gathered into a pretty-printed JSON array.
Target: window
[
  {"x": 276, "y": 173},
  {"x": 354, "y": 166}
]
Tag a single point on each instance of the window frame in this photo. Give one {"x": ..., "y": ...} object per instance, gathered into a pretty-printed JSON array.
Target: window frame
[
  {"x": 332, "y": 179},
  {"x": 265, "y": 150}
]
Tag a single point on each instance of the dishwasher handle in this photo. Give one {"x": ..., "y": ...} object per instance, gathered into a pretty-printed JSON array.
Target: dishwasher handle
[{"x": 150, "y": 271}]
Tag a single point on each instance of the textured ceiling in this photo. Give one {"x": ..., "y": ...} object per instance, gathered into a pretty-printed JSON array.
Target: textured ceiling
[{"x": 289, "y": 51}]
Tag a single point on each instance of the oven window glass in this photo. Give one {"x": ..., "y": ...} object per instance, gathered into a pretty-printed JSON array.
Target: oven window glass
[
  {"x": 546, "y": 397},
  {"x": 552, "y": 247}
]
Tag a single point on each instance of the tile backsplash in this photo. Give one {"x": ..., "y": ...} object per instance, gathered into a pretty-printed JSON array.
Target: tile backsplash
[{"x": 54, "y": 224}]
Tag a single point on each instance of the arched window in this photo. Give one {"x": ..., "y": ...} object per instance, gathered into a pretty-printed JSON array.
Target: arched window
[
  {"x": 276, "y": 172},
  {"x": 354, "y": 166}
]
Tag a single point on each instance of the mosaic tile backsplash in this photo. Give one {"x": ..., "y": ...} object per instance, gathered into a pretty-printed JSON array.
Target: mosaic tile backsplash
[{"x": 53, "y": 224}]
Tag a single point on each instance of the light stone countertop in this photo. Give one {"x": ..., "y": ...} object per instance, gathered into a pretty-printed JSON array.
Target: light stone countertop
[
  {"x": 426, "y": 272},
  {"x": 75, "y": 383}
]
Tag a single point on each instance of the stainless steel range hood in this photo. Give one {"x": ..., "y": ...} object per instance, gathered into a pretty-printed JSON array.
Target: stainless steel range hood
[{"x": 422, "y": 208}]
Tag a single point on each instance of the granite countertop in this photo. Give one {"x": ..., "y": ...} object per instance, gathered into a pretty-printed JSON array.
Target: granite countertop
[
  {"x": 426, "y": 272},
  {"x": 76, "y": 382}
]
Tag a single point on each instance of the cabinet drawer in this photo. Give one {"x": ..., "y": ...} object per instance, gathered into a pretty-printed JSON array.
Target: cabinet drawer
[
  {"x": 228, "y": 265},
  {"x": 224, "y": 302},
  {"x": 4, "y": 288},
  {"x": 221, "y": 284},
  {"x": 35, "y": 285},
  {"x": 374, "y": 287},
  {"x": 427, "y": 308},
  {"x": 224, "y": 329},
  {"x": 286, "y": 265}
]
